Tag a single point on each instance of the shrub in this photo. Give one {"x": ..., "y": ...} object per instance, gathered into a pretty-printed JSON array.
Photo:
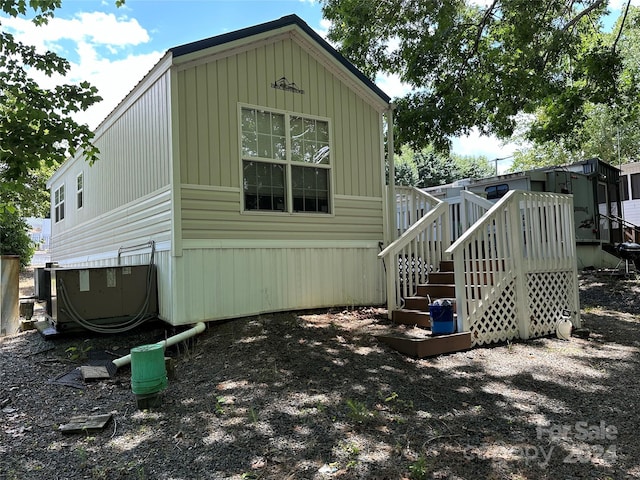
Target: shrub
[{"x": 14, "y": 239}]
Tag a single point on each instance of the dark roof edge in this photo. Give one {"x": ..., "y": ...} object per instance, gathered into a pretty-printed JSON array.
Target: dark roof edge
[{"x": 273, "y": 25}]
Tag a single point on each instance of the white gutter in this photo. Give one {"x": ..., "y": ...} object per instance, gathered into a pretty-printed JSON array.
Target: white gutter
[{"x": 192, "y": 332}]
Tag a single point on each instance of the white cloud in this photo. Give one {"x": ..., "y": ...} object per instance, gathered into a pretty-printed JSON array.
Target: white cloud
[
  {"x": 114, "y": 79},
  {"x": 392, "y": 85},
  {"x": 95, "y": 28},
  {"x": 96, "y": 44},
  {"x": 620, "y": 4},
  {"x": 492, "y": 148}
]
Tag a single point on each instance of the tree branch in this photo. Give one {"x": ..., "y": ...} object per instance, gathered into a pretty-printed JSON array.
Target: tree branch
[
  {"x": 624, "y": 18},
  {"x": 584, "y": 12},
  {"x": 483, "y": 23}
]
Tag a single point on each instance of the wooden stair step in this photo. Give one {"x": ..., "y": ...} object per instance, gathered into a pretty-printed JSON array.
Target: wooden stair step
[
  {"x": 429, "y": 346},
  {"x": 446, "y": 266},
  {"x": 412, "y": 317},
  {"x": 441, "y": 277},
  {"x": 436, "y": 291},
  {"x": 422, "y": 303}
]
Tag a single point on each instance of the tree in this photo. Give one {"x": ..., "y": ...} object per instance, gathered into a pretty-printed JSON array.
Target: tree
[
  {"x": 36, "y": 127},
  {"x": 434, "y": 168},
  {"x": 473, "y": 167},
  {"x": 405, "y": 168},
  {"x": 473, "y": 65},
  {"x": 430, "y": 168},
  {"x": 13, "y": 237}
]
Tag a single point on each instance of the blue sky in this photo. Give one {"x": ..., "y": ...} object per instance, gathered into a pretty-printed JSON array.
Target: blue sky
[{"x": 113, "y": 48}]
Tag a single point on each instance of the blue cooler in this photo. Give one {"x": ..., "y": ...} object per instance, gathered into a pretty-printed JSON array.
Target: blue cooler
[{"x": 441, "y": 312}]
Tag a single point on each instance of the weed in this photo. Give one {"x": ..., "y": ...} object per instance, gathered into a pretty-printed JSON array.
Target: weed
[
  {"x": 253, "y": 415},
  {"x": 99, "y": 473},
  {"x": 217, "y": 407},
  {"x": 419, "y": 470},
  {"x": 78, "y": 352},
  {"x": 358, "y": 411},
  {"x": 397, "y": 403},
  {"x": 141, "y": 473},
  {"x": 350, "y": 448},
  {"x": 83, "y": 457}
]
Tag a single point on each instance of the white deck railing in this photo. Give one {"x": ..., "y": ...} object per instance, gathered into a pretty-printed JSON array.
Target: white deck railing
[
  {"x": 424, "y": 234},
  {"x": 465, "y": 210},
  {"x": 516, "y": 269}
]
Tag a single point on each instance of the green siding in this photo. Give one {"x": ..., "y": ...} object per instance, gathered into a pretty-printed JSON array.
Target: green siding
[
  {"x": 214, "y": 214},
  {"x": 209, "y": 95}
]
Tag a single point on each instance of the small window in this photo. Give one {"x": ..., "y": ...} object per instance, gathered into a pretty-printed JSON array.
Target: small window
[
  {"x": 58, "y": 203},
  {"x": 624, "y": 187},
  {"x": 635, "y": 186},
  {"x": 496, "y": 191},
  {"x": 80, "y": 191}
]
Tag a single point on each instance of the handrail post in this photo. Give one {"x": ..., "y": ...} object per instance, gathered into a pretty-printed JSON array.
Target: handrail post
[
  {"x": 445, "y": 223},
  {"x": 515, "y": 238},
  {"x": 461, "y": 297},
  {"x": 464, "y": 204}
]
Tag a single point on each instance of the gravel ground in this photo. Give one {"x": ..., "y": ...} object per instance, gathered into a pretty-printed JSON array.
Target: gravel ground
[{"x": 313, "y": 395}]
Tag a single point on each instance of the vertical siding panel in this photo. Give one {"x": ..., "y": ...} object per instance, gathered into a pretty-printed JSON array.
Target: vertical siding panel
[
  {"x": 182, "y": 106},
  {"x": 279, "y": 62},
  {"x": 166, "y": 128},
  {"x": 300, "y": 102},
  {"x": 270, "y": 73},
  {"x": 155, "y": 114},
  {"x": 242, "y": 78},
  {"x": 365, "y": 168},
  {"x": 339, "y": 132},
  {"x": 258, "y": 63},
  {"x": 163, "y": 129},
  {"x": 202, "y": 125},
  {"x": 191, "y": 127},
  {"x": 371, "y": 149},
  {"x": 158, "y": 131},
  {"x": 224, "y": 123},
  {"x": 231, "y": 139},
  {"x": 303, "y": 81},
  {"x": 353, "y": 170},
  {"x": 316, "y": 91},
  {"x": 288, "y": 71},
  {"x": 139, "y": 184},
  {"x": 143, "y": 118},
  {"x": 213, "y": 127}
]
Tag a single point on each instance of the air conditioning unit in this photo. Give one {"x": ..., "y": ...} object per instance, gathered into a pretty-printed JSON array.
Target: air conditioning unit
[{"x": 102, "y": 299}]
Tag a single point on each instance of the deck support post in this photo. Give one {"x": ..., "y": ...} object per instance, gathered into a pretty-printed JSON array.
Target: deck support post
[{"x": 517, "y": 263}]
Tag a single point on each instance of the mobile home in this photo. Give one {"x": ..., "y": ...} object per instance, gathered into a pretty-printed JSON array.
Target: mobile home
[{"x": 252, "y": 163}]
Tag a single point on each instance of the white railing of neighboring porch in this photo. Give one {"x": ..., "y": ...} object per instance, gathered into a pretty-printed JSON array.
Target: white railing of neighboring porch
[
  {"x": 424, "y": 234},
  {"x": 516, "y": 269},
  {"x": 465, "y": 210}
]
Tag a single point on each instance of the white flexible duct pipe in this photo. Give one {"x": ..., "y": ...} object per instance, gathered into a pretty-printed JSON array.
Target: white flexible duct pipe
[{"x": 192, "y": 332}]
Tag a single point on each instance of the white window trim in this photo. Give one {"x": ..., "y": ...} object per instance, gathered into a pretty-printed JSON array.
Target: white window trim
[
  {"x": 57, "y": 203},
  {"x": 80, "y": 191},
  {"x": 287, "y": 162}
]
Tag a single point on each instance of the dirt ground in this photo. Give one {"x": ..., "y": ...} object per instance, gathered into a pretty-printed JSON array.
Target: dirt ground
[{"x": 314, "y": 395}]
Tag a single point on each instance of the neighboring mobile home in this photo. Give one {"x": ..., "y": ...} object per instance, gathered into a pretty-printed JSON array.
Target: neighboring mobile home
[
  {"x": 594, "y": 185},
  {"x": 254, "y": 161},
  {"x": 630, "y": 195}
]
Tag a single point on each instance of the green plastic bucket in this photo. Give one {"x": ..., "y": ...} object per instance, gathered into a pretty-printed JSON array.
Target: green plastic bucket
[{"x": 148, "y": 372}]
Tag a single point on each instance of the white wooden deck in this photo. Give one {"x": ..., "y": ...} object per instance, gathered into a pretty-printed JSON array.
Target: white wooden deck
[{"x": 515, "y": 261}]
